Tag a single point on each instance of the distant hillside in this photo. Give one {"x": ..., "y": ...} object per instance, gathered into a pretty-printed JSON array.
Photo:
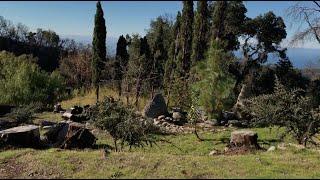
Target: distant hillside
[
  {"x": 111, "y": 42},
  {"x": 300, "y": 57}
]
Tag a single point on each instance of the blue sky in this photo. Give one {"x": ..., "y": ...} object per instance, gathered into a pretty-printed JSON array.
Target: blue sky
[{"x": 71, "y": 18}]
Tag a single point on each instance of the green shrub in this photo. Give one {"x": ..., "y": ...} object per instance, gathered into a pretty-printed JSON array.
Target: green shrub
[
  {"x": 286, "y": 108},
  {"x": 22, "y": 81},
  {"x": 122, "y": 124},
  {"x": 24, "y": 114}
]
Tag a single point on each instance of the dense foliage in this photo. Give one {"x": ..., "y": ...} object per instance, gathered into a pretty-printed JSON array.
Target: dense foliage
[
  {"x": 22, "y": 81},
  {"x": 212, "y": 83},
  {"x": 122, "y": 124},
  {"x": 286, "y": 108}
]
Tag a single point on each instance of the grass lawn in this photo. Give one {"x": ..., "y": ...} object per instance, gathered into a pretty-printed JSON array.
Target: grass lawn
[{"x": 184, "y": 157}]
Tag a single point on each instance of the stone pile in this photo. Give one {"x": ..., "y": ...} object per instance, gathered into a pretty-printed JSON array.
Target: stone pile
[{"x": 75, "y": 114}]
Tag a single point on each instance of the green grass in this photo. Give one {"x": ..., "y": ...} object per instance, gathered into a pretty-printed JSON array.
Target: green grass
[
  {"x": 183, "y": 157},
  {"x": 90, "y": 98}
]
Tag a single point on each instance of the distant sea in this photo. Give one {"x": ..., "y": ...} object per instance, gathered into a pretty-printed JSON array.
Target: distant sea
[{"x": 300, "y": 57}]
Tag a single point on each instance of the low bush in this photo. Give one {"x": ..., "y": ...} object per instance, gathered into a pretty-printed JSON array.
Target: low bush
[
  {"x": 286, "y": 108},
  {"x": 122, "y": 124}
]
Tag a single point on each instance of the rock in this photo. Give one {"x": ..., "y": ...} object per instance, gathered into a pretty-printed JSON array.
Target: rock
[
  {"x": 47, "y": 127},
  {"x": 57, "y": 108},
  {"x": 67, "y": 115},
  {"x": 162, "y": 117},
  {"x": 245, "y": 138},
  {"x": 226, "y": 149},
  {"x": 70, "y": 135},
  {"x": 156, "y": 107},
  {"x": 226, "y": 115},
  {"x": 271, "y": 148},
  {"x": 78, "y": 137},
  {"x": 281, "y": 146},
  {"x": 177, "y": 115},
  {"x": 235, "y": 123},
  {"x": 168, "y": 119},
  {"x": 214, "y": 152},
  {"x": 47, "y": 123},
  {"x": 22, "y": 136}
]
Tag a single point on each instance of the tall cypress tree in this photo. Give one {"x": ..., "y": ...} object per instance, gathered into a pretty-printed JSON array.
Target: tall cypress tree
[
  {"x": 121, "y": 62},
  {"x": 99, "y": 47},
  {"x": 159, "y": 58},
  {"x": 200, "y": 32},
  {"x": 183, "y": 60},
  {"x": 171, "y": 63},
  {"x": 186, "y": 37}
]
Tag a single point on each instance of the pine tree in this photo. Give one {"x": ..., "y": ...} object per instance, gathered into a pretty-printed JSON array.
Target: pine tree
[
  {"x": 121, "y": 62},
  {"x": 99, "y": 47},
  {"x": 200, "y": 32},
  {"x": 211, "y": 84}
]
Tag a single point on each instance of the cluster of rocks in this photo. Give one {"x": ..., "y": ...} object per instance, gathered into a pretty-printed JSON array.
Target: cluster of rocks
[
  {"x": 68, "y": 135},
  {"x": 76, "y": 113},
  {"x": 168, "y": 124},
  {"x": 65, "y": 134},
  {"x": 172, "y": 122},
  {"x": 230, "y": 119}
]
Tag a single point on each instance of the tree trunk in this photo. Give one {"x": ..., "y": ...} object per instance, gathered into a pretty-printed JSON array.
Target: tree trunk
[
  {"x": 97, "y": 93},
  {"x": 196, "y": 132}
]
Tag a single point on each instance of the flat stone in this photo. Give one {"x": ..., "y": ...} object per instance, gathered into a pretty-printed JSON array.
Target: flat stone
[
  {"x": 271, "y": 148},
  {"x": 214, "y": 152},
  {"x": 26, "y": 136}
]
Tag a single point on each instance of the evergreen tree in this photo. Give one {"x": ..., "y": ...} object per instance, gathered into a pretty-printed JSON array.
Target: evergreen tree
[
  {"x": 183, "y": 60},
  {"x": 99, "y": 47},
  {"x": 159, "y": 56},
  {"x": 171, "y": 63},
  {"x": 146, "y": 67},
  {"x": 121, "y": 62},
  {"x": 200, "y": 32},
  {"x": 211, "y": 84},
  {"x": 227, "y": 21},
  {"x": 186, "y": 38}
]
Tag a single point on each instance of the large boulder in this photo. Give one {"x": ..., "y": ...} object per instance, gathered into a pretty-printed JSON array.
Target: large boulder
[
  {"x": 22, "y": 136},
  {"x": 70, "y": 135},
  {"x": 156, "y": 107}
]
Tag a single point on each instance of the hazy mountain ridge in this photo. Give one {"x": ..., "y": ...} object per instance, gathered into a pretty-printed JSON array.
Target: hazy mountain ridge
[{"x": 300, "y": 57}]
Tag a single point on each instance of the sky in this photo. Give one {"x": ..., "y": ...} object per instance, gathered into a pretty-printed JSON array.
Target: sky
[{"x": 75, "y": 19}]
